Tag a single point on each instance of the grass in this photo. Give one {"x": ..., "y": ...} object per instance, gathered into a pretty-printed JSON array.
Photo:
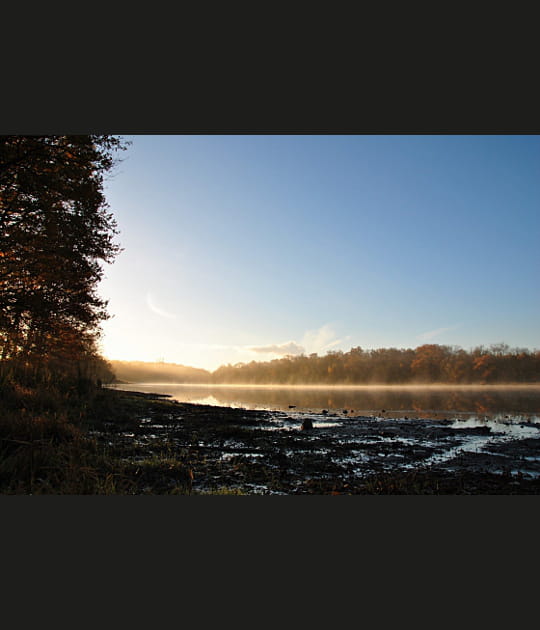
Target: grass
[
  {"x": 223, "y": 490},
  {"x": 46, "y": 447},
  {"x": 56, "y": 441}
]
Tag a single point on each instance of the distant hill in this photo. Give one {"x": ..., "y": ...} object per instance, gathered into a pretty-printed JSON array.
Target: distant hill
[{"x": 146, "y": 372}]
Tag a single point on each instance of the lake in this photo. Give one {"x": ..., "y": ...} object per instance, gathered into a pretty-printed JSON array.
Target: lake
[
  {"x": 445, "y": 430},
  {"x": 435, "y": 401}
]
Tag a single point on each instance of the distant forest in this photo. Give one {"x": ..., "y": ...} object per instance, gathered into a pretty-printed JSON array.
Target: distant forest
[
  {"x": 145, "y": 372},
  {"x": 429, "y": 363}
]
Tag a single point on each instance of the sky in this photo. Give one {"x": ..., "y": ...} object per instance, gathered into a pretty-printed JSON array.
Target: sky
[{"x": 249, "y": 247}]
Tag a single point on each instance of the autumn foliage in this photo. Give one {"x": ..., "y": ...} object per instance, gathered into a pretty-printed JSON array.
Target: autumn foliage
[
  {"x": 429, "y": 363},
  {"x": 55, "y": 233}
]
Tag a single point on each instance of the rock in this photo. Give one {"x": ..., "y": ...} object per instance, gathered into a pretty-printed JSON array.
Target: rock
[
  {"x": 306, "y": 424},
  {"x": 292, "y": 406},
  {"x": 325, "y": 411}
]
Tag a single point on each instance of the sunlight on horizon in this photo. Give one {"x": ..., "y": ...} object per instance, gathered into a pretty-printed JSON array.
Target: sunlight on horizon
[{"x": 259, "y": 246}]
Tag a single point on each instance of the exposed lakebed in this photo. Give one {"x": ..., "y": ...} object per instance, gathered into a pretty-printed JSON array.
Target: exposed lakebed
[{"x": 265, "y": 451}]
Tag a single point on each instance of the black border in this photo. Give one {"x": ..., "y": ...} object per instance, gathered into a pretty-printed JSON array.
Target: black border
[
  {"x": 405, "y": 533},
  {"x": 397, "y": 103}
]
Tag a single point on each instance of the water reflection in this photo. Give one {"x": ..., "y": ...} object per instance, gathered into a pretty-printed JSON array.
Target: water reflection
[{"x": 428, "y": 402}]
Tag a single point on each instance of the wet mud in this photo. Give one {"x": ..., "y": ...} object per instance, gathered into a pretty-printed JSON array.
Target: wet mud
[{"x": 207, "y": 449}]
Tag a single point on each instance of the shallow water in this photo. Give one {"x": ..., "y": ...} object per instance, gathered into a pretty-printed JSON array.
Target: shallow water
[
  {"x": 460, "y": 402},
  {"x": 516, "y": 427},
  {"x": 497, "y": 439}
]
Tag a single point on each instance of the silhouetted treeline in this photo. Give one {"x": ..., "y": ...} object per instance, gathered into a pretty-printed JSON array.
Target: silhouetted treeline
[
  {"x": 429, "y": 363},
  {"x": 55, "y": 231},
  {"x": 146, "y": 372}
]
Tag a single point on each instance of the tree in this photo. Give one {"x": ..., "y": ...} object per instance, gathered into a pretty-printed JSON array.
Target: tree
[
  {"x": 429, "y": 362},
  {"x": 55, "y": 233}
]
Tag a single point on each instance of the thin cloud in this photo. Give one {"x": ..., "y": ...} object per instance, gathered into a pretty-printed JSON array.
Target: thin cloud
[
  {"x": 333, "y": 344},
  {"x": 316, "y": 341},
  {"x": 290, "y": 347},
  {"x": 322, "y": 339},
  {"x": 156, "y": 309},
  {"x": 435, "y": 333}
]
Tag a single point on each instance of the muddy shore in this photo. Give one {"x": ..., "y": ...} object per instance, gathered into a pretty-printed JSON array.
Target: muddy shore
[{"x": 169, "y": 447}]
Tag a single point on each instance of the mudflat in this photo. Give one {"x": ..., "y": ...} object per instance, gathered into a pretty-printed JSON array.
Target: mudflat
[{"x": 167, "y": 447}]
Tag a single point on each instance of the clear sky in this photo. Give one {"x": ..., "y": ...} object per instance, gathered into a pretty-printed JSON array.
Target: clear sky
[{"x": 246, "y": 247}]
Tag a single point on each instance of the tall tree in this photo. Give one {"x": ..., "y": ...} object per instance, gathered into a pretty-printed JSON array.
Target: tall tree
[{"x": 55, "y": 232}]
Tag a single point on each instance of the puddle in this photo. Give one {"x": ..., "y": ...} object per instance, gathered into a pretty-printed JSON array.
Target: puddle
[
  {"x": 355, "y": 445},
  {"x": 512, "y": 428},
  {"x": 230, "y": 455},
  {"x": 502, "y": 432}
]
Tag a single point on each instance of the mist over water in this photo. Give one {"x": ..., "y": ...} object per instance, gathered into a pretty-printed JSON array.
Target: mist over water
[
  {"x": 433, "y": 401},
  {"x": 368, "y": 430}
]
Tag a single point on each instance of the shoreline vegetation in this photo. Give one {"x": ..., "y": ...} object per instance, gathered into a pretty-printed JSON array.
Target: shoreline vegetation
[
  {"x": 112, "y": 442},
  {"x": 429, "y": 364},
  {"x": 384, "y": 386}
]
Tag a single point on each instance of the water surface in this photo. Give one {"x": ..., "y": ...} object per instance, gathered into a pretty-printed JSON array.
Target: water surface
[{"x": 452, "y": 402}]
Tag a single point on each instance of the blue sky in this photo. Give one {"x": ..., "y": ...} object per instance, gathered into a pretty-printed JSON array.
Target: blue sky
[{"x": 243, "y": 247}]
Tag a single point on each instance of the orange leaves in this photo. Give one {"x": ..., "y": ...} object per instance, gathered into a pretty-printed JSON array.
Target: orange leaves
[{"x": 484, "y": 365}]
